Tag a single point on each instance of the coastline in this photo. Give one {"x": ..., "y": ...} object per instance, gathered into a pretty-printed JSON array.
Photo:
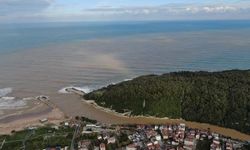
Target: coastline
[
  {"x": 31, "y": 117},
  {"x": 55, "y": 116},
  {"x": 155, "y": 120}
]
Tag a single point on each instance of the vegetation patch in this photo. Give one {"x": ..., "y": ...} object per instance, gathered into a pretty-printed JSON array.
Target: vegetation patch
[{"x": 220, "y": 98}]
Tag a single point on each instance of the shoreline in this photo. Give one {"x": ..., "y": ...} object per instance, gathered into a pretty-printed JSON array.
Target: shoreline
[
  {"x": 155, "y": 120},
  {"x": 54, "y": 116},
  {"x": 23, "y": 115},
  {"x": 31, "y": 117},
  {"x": 33, "y": 109}
]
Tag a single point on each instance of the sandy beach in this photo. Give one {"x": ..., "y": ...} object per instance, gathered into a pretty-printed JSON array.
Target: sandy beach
[
  {"x": 31, "y": 117},
  {"x": 55, "y": 117}
]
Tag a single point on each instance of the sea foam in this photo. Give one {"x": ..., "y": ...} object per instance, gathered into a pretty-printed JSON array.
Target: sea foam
[
  {"x": 7, "y": 103},
  {"x": 85, "y": 89},
  {"x": 5, "y": 91}
]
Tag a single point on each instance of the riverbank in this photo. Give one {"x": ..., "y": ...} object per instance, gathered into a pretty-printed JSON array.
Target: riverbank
[
  {"x": 101, "y": 114},
  {"x": 122, "y": 119}
]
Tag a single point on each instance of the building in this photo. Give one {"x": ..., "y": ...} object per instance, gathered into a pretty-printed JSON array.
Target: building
[
  {"x": 150, "y": 146},
  {"x": 189, "y": 144},
  {"x": 131, "y": 147},
  {"x": 182, "y": 127},
  {"x": 229, "y": 146},
  {"x": 43, "y": 120},
  {"x": 158, "y": 137},
  {"x": 157, "y": 145},
  {"x": 102, "y": 146},
  {"x": 84, "y": 144},
  {"x": 111, "y": 140},
  {"x": 151, "y": 133},
  {"x": 216, "y": 144}
]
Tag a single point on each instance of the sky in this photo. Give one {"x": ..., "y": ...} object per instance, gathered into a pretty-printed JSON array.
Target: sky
[{"x": 114, "y": 10}]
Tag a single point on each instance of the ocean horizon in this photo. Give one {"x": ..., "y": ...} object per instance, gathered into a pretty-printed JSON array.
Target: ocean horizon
[{"x": 20, "y": 36}]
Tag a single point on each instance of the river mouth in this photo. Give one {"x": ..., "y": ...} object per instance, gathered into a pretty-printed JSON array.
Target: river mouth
[
  {"x": 91, "y": 110},
  {"x": 72, "y": 104},
  {"x": 106, "y": 116}
]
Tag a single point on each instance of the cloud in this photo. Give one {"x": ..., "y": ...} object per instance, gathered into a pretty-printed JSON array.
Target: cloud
[
  {"x": 212, "y": 9},
  {"x": 50, "y": 10},
  {"x": 173, "y": 9},
  {"x": 10, "y": 7}
]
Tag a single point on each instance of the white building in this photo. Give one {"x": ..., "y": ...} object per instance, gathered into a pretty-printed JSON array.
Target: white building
[{"x": 131, "y": 147}]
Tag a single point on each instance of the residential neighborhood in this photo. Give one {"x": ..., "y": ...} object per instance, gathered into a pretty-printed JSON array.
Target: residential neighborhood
[
  {"x": 85, "y": 134},
  {"x": 154, "y": 137}
]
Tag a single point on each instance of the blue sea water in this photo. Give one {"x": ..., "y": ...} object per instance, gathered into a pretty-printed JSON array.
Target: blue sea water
[
  {"x": 15, "y": 37},
  {"x": 98, "y": 53}
]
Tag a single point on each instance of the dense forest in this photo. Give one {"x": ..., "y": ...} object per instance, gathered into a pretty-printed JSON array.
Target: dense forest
[{"x": 220, "y": 98}]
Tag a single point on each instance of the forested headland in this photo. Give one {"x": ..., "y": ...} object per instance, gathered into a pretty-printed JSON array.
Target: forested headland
[{"x": 219, "y": 98}]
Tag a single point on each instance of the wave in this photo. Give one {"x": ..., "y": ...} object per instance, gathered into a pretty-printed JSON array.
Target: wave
[
  {"x": 7, "y": 103},
  {"x": 85, "y": 89},
  {"x": 129, "y": 79},
  {"x": 5, "y": 91}
]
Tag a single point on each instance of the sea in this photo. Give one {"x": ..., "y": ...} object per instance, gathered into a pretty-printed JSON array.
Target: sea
[{"x": 44, "y": 58}]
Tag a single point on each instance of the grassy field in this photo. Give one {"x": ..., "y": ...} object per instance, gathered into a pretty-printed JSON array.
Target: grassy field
[{"x": 39, "y": 138}]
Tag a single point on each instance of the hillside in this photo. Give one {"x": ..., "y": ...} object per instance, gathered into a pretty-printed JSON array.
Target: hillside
[{"x": 220, "y": 98}]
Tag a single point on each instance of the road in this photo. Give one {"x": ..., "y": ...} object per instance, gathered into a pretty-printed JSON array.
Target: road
[{"x": 77, "y": 129}]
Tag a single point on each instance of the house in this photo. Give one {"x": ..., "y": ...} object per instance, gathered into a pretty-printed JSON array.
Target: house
[
  {"x": 158, "y": 137},
  {"x": 90, "y": 125},
  {"x": 215, "y": 144},
  {"x": 66, "y": 124},
  {"x": 182, "y": 127},
  {"x": 131, "y": 147},
  {"x": 111, "y": 140},
  {"x": 197, "y": 136},
  {"x": 84, "y": 144},
  {"x": 99, "y": 137},
  {"x": 188, "y": 147},
  {"x": 32, "y": 128},
  {"x": 55, "y": 127},
  {"x": 65, "y": 148},
  {"x": 157, "y": 145},
  {"x": 105, "y": 137},
  {"x": 229, "y": 146},
  {"x": 180, "y": 148},
  {"x": 189, "y": 143},
  {"x": 151, "y": 133},
  {"x": 54, "y": 148},
  {"x": 156, "y": 127},
  {"x": 150, "y": 146},
  {"x": 174, "y": 143},
  {"x": 87, "y": 132},
  {"x": 102, "y": 146},
  {"x": 96, "y": 148},
  {"x": 43, "y": 120},
  {"x": 165, "y": 133}
]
